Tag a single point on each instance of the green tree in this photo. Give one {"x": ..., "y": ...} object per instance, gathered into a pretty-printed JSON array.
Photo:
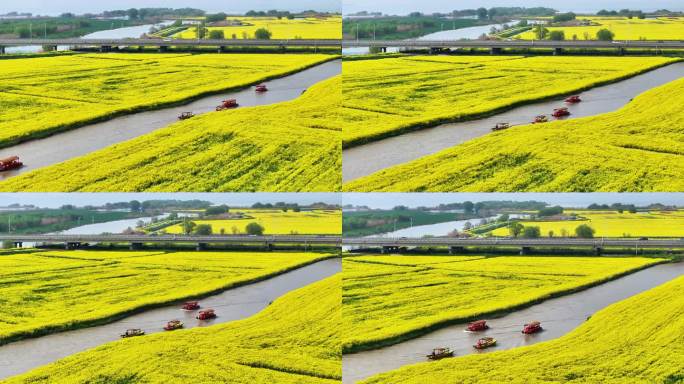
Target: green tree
[
  {"x": 201, "y": 31},
  {"x": 557, "y": 35},
  {"x": 468, "y": 207},
  {"x": 254, "y": 229},
  {"x": 262, "y": 34},
  {"x": 135, "y": 205},
  {"x": 584, "y": 231},
  {"x": 540, "y": 32},
  {"x": 482, "y": 13},
  {"x": 203, "y": 229},
  {"x": 216, "y": 34},
  {"x": 531, "y": 233},
  {"x": 605, "y": 34},
  {"x": 188, "y": 227},
  {"x": 132, "y": 14},
  {"x": 515, "y": 229}
]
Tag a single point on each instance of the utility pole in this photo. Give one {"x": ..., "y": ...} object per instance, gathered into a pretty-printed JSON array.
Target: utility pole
[{"x": 9, "y": 224}]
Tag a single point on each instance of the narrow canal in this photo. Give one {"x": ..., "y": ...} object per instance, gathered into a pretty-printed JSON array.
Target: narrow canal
[
  {"x": 558, "y": 317},
  {"x": 369, "y": 158},
  {"x": 231, "y": 305},
  {"x": 80, "y": 141}
]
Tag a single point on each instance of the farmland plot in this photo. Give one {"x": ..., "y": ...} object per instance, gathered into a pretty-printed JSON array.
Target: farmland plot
[
  {"x": 44, "y": 95},
  {"x": 388, "y": 299},
  {"x": 638, "y": 340},
  {"x": 639, "y": 148},
  {"x": 389, "y": 96},
  {"x": 48, "y": 291},
  {"x": 286, "y": 147},
  {"x": 278, "y": 345}
]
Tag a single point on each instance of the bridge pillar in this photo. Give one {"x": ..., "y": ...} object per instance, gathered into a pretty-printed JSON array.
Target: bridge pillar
[
  {"x": 383, "y": 49},
  {"x": 105, "y": 48},
  {"x": 621, "y": 51},
  {"x": 201, "y": 246},
  {"x": 135, "y": 246},
  {"x": 71, "y": 245},
  {"x": 18, "y": 244},
  {"x": 434, "y": 50},
  {"x": 269, "y": 246},
  {"x": 2, "y": 50},
  {"x": 598, "y": 251},
  {"x": 495, "y": 51},
  {"x": 163, "y": 48},
  {"x": 557, "y": 51},
  {"x": 222, "y": 49},
  {"x": 456, "y": 249},
  {"x": 140, "y": 48},
  {"x": 525, "y": 250}
]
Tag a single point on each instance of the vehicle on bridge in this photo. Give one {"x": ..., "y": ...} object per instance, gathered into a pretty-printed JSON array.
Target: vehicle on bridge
[
  {"x": 573, "y": 99},
  {"x": 477, "y": 326},
  {"x": 186, "y": 115},
  {"x": 191, "y": 305},
  {"x": 540, "y": 119},
  {"x": 173, "y": 325},
  {"x": 227, "y": 104},
  {"x": 501, "y": 126},
  {"x": 560, "y": 112},
  {"x": 440, "y": 353},
  {"x": 206, "y": 314},
  {"x": 485, "y": 342},
  {"x": 10, "y": 163},
  {"x": 532, "y": 327},
  {"x": 132, "y": 333},
  {"x": 261, "y": 88}
]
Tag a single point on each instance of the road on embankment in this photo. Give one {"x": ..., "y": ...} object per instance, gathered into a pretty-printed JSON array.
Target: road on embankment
[
  {"x": 81, "y": 141},
  {"x": 231, "y": 305},
  {"x": 558, "y": 317},
  {"x": 369, "y": 158}
]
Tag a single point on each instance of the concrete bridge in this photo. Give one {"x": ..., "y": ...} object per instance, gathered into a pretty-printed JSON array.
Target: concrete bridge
[
  {"x": 459, "y": 244},
  {"x": 137, "y": 241},
  {"x": 497, "y": 46},
  {"x": 106, "y": 45}
]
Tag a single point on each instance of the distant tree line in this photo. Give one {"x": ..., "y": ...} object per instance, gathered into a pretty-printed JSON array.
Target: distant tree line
[
  {"x": 623, "y": 12},
  {"x": 143, "y": 13}
]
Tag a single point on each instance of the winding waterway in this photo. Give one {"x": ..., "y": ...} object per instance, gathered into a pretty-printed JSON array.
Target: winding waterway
[
  {"x": 80, "y": 141},
  {"x": 558, "y": 317},
  {"x": 369, "y": 158},
  {"x": 231, "y": 305}
]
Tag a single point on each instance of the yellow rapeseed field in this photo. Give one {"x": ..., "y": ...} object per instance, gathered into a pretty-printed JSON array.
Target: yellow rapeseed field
[
  {"x": 384, "y": 97},
  {"x": 661, "y": 28},
  {"x": 614, "y": 224},
  {"x": 386, "y": 300},
  {"x": 287, "y": 147},
  {"x": 638, "y": 148},
  {"x": 300, "y": 28},
  {"x": 277, "y": 222},
  {"x": 637, "y": 341},
  {"x": 278, "y": 345},
  {"x": 44, "y": 95},
  {"x": 48, "y": 291}
]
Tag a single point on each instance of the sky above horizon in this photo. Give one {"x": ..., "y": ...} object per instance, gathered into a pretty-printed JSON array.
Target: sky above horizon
[
  {"x": 44, "y": 7},
  {"x": 402, "y": 7}
]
